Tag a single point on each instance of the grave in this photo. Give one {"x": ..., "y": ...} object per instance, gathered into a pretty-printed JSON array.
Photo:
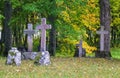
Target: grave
[
  {"x": 101, "y": 52},
  {"x": 80, "y": 51},
  {"x": 29, "y": 54},
  {"x": 29, "y": 33},
  {"x": 45, "y": 57},
  {"x": 102, "y": 32},
  {"x": 14, "y": 56}
]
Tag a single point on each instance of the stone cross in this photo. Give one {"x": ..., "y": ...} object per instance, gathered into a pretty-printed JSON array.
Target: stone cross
[
  {"x": 102, "y": 32},
  {"x": 43, "y": 28},
  {"x": 29, "y": 33},
  {"x": 80, "y": 48}
]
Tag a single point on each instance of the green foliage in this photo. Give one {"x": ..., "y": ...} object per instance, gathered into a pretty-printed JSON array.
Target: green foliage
[
  {"x": 115, "y": 25},
  {"x": 36, "y": 44},
  {"x": 30, "y": 7},
  {"x": 74, "y": 20},
  {"x": 16, "y": 3},
  {"x": 1, "y": 16},
  {"x": 37, "y": 58}
]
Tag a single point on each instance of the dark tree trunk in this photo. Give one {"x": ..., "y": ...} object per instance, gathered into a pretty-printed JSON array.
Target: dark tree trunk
[
  {"x": 6, "y": 27},
  {"x": 52, "y": 40},
  {"x": 105, "y": 19}
]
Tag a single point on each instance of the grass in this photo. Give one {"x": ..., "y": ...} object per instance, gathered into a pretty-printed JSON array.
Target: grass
[
  {"x": 115, "y": 53},
  {"x": 64, "y": 68}
]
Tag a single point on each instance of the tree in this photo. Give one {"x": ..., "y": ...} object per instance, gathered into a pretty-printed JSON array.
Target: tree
[
  {"x": 105, "y": 20},
  {"x": 7, "y": 33}
]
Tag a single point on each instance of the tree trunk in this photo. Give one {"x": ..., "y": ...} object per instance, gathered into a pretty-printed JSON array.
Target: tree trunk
[
  {"x": 105, "y": 19},
  {"x": 52, "y": 40},
  {"x": 6, "y": 27}
]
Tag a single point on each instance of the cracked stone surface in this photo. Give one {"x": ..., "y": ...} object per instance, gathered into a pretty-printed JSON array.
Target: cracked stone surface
[
  {"x": 45, "y": 58},
  {"x": 14, "y": 56}
]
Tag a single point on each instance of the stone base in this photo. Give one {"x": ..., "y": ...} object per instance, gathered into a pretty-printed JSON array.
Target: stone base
[
  {"x": 29, "y": 55},
  {"x": 44, "y": 59},
  {"x": 77, "y": 53},
  {"x": 102, "y": 54},
  {"x": 14, "y": 56}
]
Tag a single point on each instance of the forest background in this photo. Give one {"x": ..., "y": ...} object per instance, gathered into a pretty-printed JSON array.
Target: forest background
[{"x": 71, "y": 21}]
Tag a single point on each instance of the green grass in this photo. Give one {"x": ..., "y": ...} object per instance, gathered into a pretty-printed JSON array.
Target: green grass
[
  {"x": 115, "y": 53},
  {"x": 63, "y": 67}
]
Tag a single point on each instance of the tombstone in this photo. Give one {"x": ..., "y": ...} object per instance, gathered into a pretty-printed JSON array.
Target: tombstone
[
  {"x": 43, "y": 28},
  {"x": 45, "y": 54},
  {"x": 29, "y": 33},
  {"x": 29, "y": 54},
  {"x": 102, "y": 32},
  {"x": 14, "y": 56},
  {"x": 80, "y": 52},
  {"x": 101, "y": 52}
]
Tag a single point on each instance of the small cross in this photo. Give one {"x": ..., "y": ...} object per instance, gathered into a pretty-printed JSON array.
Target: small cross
[
  {"x": 29, "y": 32},
  {"x": 102, "y": 32},
  {"x": 80, "y": 48},
  {"x": 43, "y": 28}
]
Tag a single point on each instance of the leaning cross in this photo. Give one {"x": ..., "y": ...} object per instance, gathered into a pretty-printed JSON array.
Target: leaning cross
[
  {"x": 29, "y": 32},
  {"x": 102, "y": 32},
  {"x": 43, "y": 28}
]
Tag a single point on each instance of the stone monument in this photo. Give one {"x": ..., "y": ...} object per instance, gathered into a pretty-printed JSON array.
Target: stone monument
[
  {"x": 29, "y": 54},
  {"x": 101, "y": 52},
  {"x": 80, "y": 51},
  {"x": 102, "y": 32},
  {"x": 45, "y": 57}
]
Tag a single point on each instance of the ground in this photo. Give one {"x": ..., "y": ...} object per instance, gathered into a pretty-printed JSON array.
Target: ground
[{"x": 63, "y": 68}]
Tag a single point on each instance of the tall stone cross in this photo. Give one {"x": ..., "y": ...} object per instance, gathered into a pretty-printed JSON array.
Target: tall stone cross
[
  {"x": 43, "y": 28},
  {"x": 102, "y": 32},
  {"x": 29, "y": 33}
]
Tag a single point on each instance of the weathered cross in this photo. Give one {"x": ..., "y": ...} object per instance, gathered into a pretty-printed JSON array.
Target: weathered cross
[
  {"x": 43, "y": 28},
  {"x": 29, "y": 33},
  {"x": 102, "y": 32},
  {"x": 80, "y": 48}
]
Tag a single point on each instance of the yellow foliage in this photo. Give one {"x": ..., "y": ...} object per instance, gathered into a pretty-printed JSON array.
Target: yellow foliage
[
  {"x": 59, "y": 2},
  {"x": 89, "y": 49},
  {"x": 116, "y": 20},
  {"x": 90, "y": 19},
  {"x": 86, "y": 35},
  {"x": 65, "y": 16},
  {"x": 69, "y": 41},
  {"x": 75, "y": 27}
]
